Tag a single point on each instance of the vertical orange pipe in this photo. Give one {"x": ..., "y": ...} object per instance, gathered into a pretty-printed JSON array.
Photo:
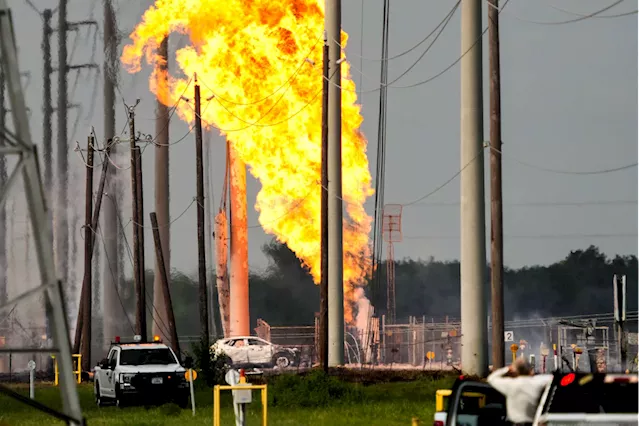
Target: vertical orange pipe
[{"x": 239, "y": 285}]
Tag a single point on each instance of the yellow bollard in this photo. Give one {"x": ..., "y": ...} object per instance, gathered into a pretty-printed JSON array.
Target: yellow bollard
[
  {"x": 415, "y": 421},
  {"x": 514, "y": 350}
]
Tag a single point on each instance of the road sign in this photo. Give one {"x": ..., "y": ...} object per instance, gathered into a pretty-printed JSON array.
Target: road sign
[
  {"x": 232, "y": 377},
  {"x": 430, "y": 355},
  {"x": 514, "y": 348},
  {"x": 508, "y": 336},
  {"x": 32, "y": 365},
  {"x": 189, "y": 373}
]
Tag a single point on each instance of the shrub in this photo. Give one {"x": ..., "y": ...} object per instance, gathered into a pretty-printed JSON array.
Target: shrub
[{"x": 313, "y": 390}]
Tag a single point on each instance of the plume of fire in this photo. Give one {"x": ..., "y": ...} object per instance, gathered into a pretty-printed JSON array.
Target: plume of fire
[{"x": 260, "y": 66}]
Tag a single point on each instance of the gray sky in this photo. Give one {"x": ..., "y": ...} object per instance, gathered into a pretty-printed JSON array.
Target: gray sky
[{"x": 569, "y": 102}]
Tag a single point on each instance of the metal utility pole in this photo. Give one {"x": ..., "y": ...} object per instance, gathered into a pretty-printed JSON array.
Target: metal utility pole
[
  {"x": 239, "y": 283},
  {"x": 4, "y": 266},
  {"x": 171, "y": 321},
  {"x": 203, "y": 300},
  {"x": 472, "y": 225},
  {"x": 47, "y": 108},
  {"x": 333, "y": 22},
  {"x": 86, "y": 299},
  {"x": 62, "y": 202},
  {"x": 33, "y": 189},
  {"x": 324, "y": 210},
  {"x": 162, "y": 189},
  {"x": 62, "y": 227},
  {"x": 140, "y": 300},
  {"x": 112, "y": 310},
  {"x": 495, "y": 139}
]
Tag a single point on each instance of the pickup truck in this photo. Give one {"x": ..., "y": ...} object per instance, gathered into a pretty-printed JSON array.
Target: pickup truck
[
  {"x": 569, "y": 399},
  {"x": 138, "y": 371}
]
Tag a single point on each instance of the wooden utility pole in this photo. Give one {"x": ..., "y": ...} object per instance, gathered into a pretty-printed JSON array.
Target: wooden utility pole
[
  {"x": 140, "y": 226},
  {"x": 495, "y": 139},
  {"x": 94, "y": 226},
  {"x": 86, "y": 298},
  {"x": 175, "y": 344},
  {"x": 140, "y": 301},
  {"x": 202, "y": 267},
  {"x": 324, "y": 214}
]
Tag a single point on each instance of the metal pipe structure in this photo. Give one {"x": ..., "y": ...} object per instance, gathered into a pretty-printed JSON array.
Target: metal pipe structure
[
  {"x": 333, "y": 19},
  {"x": 239, "y": 283},
  {"x": 113, "y": 312},
  {"x": 162, "y": 191},
  {"x": 472, "y": 222}
]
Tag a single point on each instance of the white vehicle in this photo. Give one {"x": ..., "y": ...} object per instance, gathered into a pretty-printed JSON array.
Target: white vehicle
[
  {"x": 569, "y": 399},
  {"x": 251, "y": 350},
  {"x": 140, "y": 371}
]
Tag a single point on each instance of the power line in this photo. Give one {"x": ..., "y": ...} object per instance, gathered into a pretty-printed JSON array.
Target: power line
[
  {"x": 605, "y": 203},
  {"x": 430, "y": 79},
  {"x": 566, "y": 172},
  {"x": 617, "y": 15},
  {"x": 569, "y": 21},
  {"x": 439, "y": 28},
  {"x": 526, "y": 237}
]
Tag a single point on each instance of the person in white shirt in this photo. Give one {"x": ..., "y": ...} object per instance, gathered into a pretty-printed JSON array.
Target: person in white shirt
[{"x": 521, "y": 388}]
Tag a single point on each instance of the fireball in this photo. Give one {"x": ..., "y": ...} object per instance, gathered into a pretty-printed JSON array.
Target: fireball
[{"x": 259, "y": 66}]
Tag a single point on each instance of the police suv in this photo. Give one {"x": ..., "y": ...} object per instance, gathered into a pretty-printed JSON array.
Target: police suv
[{"x": 140, "y": 371}]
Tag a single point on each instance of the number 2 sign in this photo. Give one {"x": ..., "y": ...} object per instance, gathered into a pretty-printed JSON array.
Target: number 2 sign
[{"x": 508, "y": 336}]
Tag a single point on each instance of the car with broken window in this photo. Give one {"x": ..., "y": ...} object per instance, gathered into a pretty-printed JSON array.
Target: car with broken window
[{"x": 252, "y": 351}]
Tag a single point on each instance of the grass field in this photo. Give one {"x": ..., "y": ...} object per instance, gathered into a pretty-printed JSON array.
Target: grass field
[{"x": 293, "y": 400}]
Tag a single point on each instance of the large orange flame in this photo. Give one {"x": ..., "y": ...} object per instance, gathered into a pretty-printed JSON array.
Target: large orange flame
[{"x": 259, "y": 63}]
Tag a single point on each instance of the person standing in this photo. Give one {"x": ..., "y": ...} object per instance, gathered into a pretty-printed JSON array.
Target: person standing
[{"x": 521, "y": 388}]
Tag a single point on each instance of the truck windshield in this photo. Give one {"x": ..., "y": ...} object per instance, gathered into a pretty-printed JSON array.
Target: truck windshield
[
  {"x": 594, "y": 397},
  {"x": 161, "y": 356}
]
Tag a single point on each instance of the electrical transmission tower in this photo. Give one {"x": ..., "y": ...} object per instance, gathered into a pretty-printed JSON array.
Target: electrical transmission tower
[
  {"x": 62, "y": 143},
  {"x": 19, "y": 144},
  {"x": 391, "y": 233}
]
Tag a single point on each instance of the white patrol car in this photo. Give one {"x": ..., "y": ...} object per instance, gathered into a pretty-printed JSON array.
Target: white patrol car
[
  {"x": 140, "y": 371},
  {"x": 252, "y": 350}
]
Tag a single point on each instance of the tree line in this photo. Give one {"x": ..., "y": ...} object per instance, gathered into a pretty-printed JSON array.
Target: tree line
[{"x": 284, "y": 293}]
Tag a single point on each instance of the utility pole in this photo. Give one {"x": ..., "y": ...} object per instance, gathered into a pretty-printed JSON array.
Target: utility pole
[
  {"x": 495, "y": 139},
  {"x": 62, "y": 226},
  {"x": 86, "y": 299},
  {"x": 112, "y": 310},
  {"x": 140, "y": 226},
  {"x": 239, "y": 283},
  {"x": 140, "y": 300},
  {"x": 171, "y": 321},
  {"x": 86, "y": 282},
  {"x": 620, "y": 316},
  {"x": 333, "y": 22},
  {"x": 4, "y": 265},
  {"x": 203, "y": 300},
  {"x": 162, "y": 187},
  {"x": 324, "y": 228},
  {"x": 472, "y": 225},
  {"x": 47, "y": 108}
]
